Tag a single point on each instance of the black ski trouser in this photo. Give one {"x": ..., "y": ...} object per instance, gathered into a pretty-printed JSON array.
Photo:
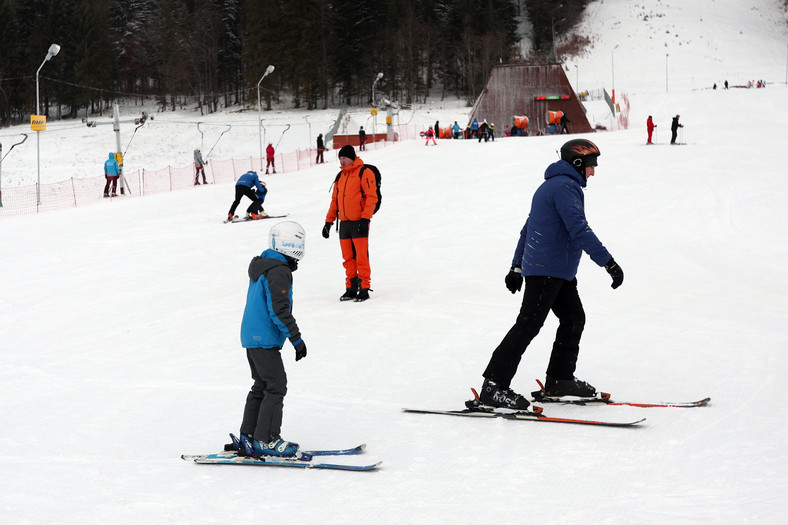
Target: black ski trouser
[
  {"x": 262, "y": 417},
  {"x": 244, "y": 191},
  {"x": 542, "y": 295}
]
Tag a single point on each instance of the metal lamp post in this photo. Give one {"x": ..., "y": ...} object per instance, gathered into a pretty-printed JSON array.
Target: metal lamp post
[
  {"x": 268, "y": 70},
  {"x": 613, "y": 72},
  {"x": 375, "y": 120},
  {"x": 666, "y": 72},
  {"x": 54, "y": 49}
]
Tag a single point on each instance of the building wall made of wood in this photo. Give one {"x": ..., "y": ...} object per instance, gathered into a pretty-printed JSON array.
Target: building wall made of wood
[{"x": 513, "y": 90}]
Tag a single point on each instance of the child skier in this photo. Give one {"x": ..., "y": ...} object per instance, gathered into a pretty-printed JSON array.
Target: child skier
[{"x": 267, "y": 322}]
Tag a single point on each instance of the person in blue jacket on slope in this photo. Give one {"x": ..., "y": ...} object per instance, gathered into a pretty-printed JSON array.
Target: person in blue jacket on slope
[
  {"x": 249, "y": 185},
  {"x": 111, "y": 173},
  {"x": 267, "y": 322},
  {"x": 547, "y": 256}
]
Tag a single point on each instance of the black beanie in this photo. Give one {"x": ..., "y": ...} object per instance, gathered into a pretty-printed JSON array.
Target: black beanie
[{"x": 347, "y": 151}]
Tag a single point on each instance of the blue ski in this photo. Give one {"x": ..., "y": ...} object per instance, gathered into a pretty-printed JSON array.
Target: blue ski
[
  {"x": 231, "y": 449},
  {"x": 222, "y": 459}
]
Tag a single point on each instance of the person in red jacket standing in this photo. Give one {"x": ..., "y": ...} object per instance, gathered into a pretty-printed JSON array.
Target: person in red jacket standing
[
  {"x": 269, "y": 158},
  {"x": 650, "y": 128},
  {"x": 353, "y": 201}
]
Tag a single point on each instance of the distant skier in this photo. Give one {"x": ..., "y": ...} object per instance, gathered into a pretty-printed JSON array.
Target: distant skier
[
  {"x": 484, "y": 131},
  {"x": 320, "y": 149},
  {"x": 267, "y": 322},
  {"x": 269, "y": 158},
  {"x": 475, "y": 128},
  {"x": 674, "y": 129},
  {"x": 564, "y": 121},
  {"x": 456, "y": 130},
  {"x": 430, "y": 135},
  {"x": 650, "y": 128},
  {"x": 111, "y": 172},
  {"x": 547, "y": 256},
  {"x": 362, "y": 139},
  {"x": 249, "y": 185},
  {"x": 199, "y": 167}
]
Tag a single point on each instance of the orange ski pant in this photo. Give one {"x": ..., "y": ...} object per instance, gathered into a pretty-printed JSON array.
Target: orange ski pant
[{"x": 355, "y": 256}]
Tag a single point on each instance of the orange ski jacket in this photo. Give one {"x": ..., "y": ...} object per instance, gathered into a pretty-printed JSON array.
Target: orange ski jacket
[{"x": 353, "y": 197}]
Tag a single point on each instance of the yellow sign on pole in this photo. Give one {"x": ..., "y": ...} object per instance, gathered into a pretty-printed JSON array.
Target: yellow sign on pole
[
  {"x": 119, "y": 158},
  {"x": 373, "y": 111},
  {"x": 38, "y": 122},
  {"x": 388, "y": 120}
]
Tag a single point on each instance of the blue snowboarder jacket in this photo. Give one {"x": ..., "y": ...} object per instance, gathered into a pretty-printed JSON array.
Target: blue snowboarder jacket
[
  {"x": 556, "y": 232},
  {"x": 111, "y": 168},
  {"x": 251, "y": 180},
  {"x": 268, "y": 318}
]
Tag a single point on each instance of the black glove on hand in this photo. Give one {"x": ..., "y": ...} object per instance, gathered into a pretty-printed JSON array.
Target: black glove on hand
[
  {"x": 327, "y": 229},
  {"x": 300, "y": 348},
  {"x": 615, "y": 272},
  {"x": 362, "y": 227},
  {"x": 514, "y": 279}
]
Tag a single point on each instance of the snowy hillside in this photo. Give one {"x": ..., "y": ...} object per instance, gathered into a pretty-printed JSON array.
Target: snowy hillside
[{"x": 121, "y": 323}]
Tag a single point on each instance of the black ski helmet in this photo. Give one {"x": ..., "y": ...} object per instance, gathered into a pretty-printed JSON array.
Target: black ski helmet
[{"x": 580, "y": 153}]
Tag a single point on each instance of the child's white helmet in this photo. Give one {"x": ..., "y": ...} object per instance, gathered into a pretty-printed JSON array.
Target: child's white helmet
[{"x": 288, "y": 238}]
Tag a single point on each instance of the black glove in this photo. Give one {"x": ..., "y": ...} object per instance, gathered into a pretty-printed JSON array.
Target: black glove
[
  {"x": 300, "y": 348},
  {"x": 514, "y": 279},
  {"x": 327, "y": 229},
  {"x": 615, "y": 272},
  {"x": 362, "y": 228}
]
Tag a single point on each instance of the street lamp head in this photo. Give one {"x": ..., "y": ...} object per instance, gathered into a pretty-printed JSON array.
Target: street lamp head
[
  {"x": 54, "y": 49},
  {"x": 380, "y": 75},
  {"x": 269, "y": 70}
]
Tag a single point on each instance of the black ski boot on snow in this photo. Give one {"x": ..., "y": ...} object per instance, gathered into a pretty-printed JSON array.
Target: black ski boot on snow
[
  {"x": 352, "y": 292},
  {"x": 568, "y": 387},
  {"x": 493, "y": 395}
]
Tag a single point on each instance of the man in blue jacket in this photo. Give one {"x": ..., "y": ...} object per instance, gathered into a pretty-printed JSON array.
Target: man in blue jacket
[
  {"x": 547, "y": 256},
  {"x": 249, "y": 185},
  {"x": 267, "y": 321}
]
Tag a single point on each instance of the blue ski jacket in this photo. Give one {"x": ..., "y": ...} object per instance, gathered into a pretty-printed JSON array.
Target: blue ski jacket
[
  {"x": 268, "y": 319},
  {"x": 556, "y": 232},
  {"x": 251, "y": 180},
  {"x": 111, "y": 168}
]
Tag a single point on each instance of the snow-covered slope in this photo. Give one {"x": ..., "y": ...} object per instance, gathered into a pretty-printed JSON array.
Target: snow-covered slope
[{"x": 121, "y": 320}]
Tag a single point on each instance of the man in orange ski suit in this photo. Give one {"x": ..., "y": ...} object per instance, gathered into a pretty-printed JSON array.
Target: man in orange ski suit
[{"x": 353, "y": 201}]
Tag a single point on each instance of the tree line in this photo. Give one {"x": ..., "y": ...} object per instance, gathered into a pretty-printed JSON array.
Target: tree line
[{"x": 212, "y": 53}]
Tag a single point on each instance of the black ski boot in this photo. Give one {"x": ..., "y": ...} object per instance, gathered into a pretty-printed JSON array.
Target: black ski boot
[
  {"x": 363, "y": 295},
  {"x": 568, "y": 387},
  {"x": 495, "y": 396},
  {"x": 352, "y": 292}
]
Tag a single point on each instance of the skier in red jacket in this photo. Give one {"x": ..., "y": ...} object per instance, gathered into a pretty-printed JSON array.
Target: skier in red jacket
[
  {"x": 650, "y": 128},
  {"x": 269, "y": 158}
]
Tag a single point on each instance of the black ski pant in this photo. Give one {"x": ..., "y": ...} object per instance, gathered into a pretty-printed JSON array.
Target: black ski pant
[
  {"x": 265, "y": 401},
  {"x": 243, "y": 191},
  {"x": 542, "y": 295},
  {"x": 197, "y": 175}
]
